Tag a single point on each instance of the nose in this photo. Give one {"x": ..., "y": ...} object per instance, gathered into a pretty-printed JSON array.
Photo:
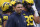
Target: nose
[{"x": 20, "y": 8}]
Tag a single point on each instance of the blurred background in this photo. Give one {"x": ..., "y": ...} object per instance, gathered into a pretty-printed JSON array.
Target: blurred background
[{"x": 36, "y": 4}]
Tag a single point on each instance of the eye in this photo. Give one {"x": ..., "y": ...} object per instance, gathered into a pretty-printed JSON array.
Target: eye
[{"x": 18, "y": 7}]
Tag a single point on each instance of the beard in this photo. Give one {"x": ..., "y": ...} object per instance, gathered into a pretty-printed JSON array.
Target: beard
[
  {"x": 29, "y": 8},
  {"x": 18, "y": 11}
]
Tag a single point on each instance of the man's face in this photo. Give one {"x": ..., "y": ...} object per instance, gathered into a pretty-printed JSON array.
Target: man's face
[
  {"x": 29, "y": 6},
  {"x": 19, "y": 8}
]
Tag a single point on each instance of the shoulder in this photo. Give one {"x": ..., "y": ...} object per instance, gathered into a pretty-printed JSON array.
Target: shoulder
[
  {"x": 5, "y": 16},
  {"x": 11, "y": 17},
  {"x": 23, "y": 17}
]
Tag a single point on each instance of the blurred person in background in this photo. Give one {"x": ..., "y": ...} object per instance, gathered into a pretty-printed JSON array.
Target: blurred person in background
[
  {"x": 0, "y": 20},
  {"x": 37, "y": 4},
  {"x": 28, "y": 11},
  {"x": 34, "y": 8},
  {"x": 2, "y": 1},
  {"x": 0, "y": 17},
  {"x": 36, "y": 13},
  {"x": 13, "y": 3},
  {"x": 7, "y": 9}
]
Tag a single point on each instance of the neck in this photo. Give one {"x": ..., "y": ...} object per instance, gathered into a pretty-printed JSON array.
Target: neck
[{"x": 17, "y": 12}]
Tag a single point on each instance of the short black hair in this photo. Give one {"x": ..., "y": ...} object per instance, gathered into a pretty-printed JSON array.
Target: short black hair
[{"x": 17, "y": 3}]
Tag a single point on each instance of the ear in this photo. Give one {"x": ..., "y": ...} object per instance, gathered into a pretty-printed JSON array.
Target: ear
[{"x": 23, "y": 8}]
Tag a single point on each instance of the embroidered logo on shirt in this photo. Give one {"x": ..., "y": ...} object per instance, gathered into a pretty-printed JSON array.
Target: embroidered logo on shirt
[
  {"x": 24, "y": 21},
  {"x": 18, "y": 21}
]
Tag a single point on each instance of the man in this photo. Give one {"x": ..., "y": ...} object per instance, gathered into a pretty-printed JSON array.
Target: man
[
  {"x": 36, "y": 13},
  {"x": 7, "y": 10},
  {"x": 29, "y": 14},
  {"x": 37, "y": 4},
  {"x": 17, "y": 20}
]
